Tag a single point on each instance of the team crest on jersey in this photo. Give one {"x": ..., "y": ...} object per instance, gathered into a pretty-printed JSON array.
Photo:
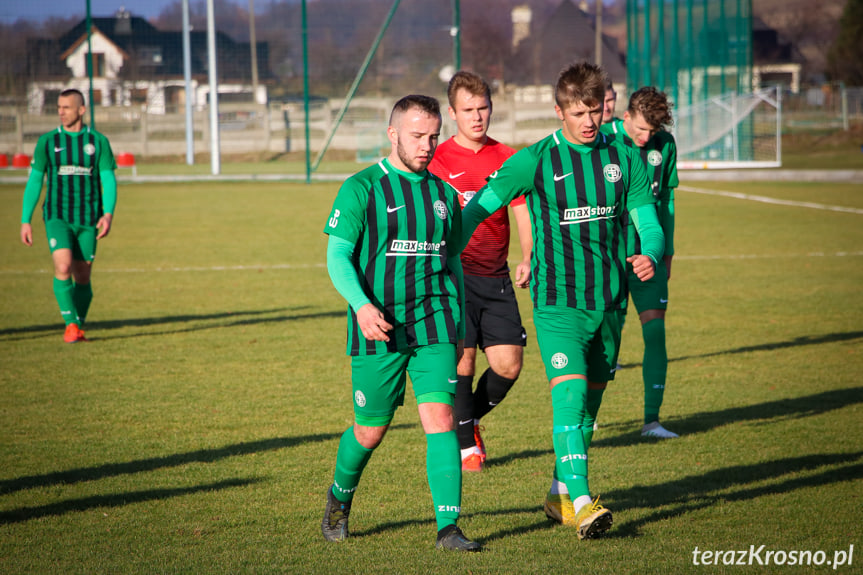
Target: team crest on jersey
[
  {"x": 612, "y": 173},
  {"x": 654, "y": 158},
  {"x": 360, "y": 398},
  {"x": 440, "y": 209},
  {"x": 89, "y": 149},
  {"x": 559, "y": 360}
]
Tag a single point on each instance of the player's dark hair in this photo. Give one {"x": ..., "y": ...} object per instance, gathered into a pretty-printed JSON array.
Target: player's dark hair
[
  {"x": 653, "y": 106},
  {"x": 427, "y": 104},
  {"x": 73, "y": 92},
  {"x": 581, "y": 82},
  {"x": 609, "y": 86},
  {"x": 473, "y": 83}
]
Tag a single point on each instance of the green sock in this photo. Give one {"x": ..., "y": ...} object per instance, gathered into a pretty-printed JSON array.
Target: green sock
[
  {"x": 63, "y": 290},
  {"x": 350, "y": 462},
  {"x": 82, "y": 296},
  {"x": 443, "y": 467},
  {"x": 655, "y": 367},
  {"x": 591, "y": 408},
  {"x": 568, "y": 400}
]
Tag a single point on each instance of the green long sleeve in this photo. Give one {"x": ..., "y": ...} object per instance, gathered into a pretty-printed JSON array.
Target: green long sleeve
[
  {"x": 481, "y": 206},
  {"x": 343, "y": 273},
  {"x": 31, "y": 195},
  {"x": 649, "y": 230},
  {"x": 109, "y": 190}
]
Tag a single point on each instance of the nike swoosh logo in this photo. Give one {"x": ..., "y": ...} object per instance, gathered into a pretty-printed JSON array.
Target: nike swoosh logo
[
  {"x": 454, "y": 176},
  {"x": 59, "y": 149},
  {"x": 559, "y": 178},
  {"x": 391, "y": 210},
  {"x": 663, "y": 300},
  {"x": 452, "y": 380},
  {"x": 465, "y": 422}
]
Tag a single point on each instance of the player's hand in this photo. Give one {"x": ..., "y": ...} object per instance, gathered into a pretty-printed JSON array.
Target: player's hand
[
  {"x": 104, "y": 225},
  {"x": 642, "y": 266},
  {"x": 372, "y": 323},
  {"x": 668, "y": 265},
  {"x": 27, "y": 234},
  {"x": 522, "y": 274}
]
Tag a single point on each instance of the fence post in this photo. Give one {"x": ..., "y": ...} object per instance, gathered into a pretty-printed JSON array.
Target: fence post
[
  {"x": 19, "y": 130},
  {"x": 844, "y": 93},
  {"x": 143, "y": 128}
]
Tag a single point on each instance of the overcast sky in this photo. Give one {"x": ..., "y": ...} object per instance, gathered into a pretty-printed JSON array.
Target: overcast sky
[{"x": 11, "y": 10}]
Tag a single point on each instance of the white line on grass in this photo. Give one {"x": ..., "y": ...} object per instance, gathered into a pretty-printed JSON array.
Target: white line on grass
[
  {"x": 185, "y": 269},
  {"x": 768, "y": 200},
  {"x": 322, "y": 265}
]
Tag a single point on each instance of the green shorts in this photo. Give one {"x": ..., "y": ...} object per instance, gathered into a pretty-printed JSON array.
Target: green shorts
[
  {"x": 578, "y": 342},
  {"x": 652, "y": 294},
  {"x": 379, "y": 380},
  {"x": 65, "y": 236}
]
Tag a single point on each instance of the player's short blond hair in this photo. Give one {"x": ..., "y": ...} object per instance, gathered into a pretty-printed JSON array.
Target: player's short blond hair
[
  {"x": 473, "y": 83},
  {"x": 580, "y": 82}
]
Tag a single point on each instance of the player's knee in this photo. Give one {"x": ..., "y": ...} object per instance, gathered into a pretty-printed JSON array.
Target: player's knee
[{"x": 498, "y": 385}]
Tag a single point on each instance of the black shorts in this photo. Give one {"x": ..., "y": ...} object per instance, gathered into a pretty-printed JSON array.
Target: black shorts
[{"x": 491, "y": 314}]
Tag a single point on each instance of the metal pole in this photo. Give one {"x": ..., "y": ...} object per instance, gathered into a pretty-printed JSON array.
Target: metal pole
[
  {"x": 215, "y": 151},
  {"x": 306, "y": 93},
  {"x": 599, "y": 32},
  {"x": 254, "y": 44},
  {"x": 455, "y": 31},
  {"x": 187, "y": 75},
  {"x": 90, "y": 67}
]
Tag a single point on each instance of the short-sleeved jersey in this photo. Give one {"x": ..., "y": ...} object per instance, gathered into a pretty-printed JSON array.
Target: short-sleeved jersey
[
  {"x": 467, "y": 171},
  {"x": 402, "y": 225},
  {"x": 576, "y": 196},
  {"x": 72, "y": 162},
  {"x": 659, "y": 156}
]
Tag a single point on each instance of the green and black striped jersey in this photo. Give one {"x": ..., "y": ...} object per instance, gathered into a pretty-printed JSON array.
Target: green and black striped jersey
[
  {"x": 72, "y": 162},
  {"x": 576, "y": 196},
  {"x": 402, "y": 225},
  {"x": 659, "y": 155}
]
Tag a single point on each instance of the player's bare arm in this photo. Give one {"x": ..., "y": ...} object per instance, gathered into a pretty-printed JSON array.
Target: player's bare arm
[{"x": 525, "y": 239}]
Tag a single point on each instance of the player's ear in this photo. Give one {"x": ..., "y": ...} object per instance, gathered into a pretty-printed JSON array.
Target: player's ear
[
  {"x": 393, "y": 135},
  {"x": 559, "y": 112},
  {"x": 451, "y": 113}
]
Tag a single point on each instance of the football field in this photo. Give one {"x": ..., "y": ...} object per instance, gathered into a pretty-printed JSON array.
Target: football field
[{"x": 196, "y": 432}]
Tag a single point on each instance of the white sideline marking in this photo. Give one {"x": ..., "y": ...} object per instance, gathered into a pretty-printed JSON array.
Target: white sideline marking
[
  {"x": 769, "y": 256},
  {"x": 185, "y": 269},
  {"x": 766, "y": 200},
  {"x": 322, "y": 265}
]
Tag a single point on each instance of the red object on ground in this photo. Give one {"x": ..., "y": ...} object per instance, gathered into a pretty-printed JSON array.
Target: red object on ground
[
  {"x": 20, "y": 161},
  {"x": 125, "y": 160},
  {"x": 4, "y": 161}
]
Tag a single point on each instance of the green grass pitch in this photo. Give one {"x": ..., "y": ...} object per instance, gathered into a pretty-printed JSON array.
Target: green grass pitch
[{"x": 197, "y": 431}]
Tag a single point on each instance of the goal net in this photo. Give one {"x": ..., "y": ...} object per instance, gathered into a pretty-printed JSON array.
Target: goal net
[{"x": 731, "y": 131}]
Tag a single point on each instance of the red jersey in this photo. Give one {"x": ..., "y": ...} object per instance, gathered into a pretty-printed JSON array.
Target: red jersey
[{"x": 467, "y": 171}]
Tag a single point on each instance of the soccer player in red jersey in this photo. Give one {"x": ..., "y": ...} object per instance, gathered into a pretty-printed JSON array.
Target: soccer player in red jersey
[{"x": 493, "y": 323}]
